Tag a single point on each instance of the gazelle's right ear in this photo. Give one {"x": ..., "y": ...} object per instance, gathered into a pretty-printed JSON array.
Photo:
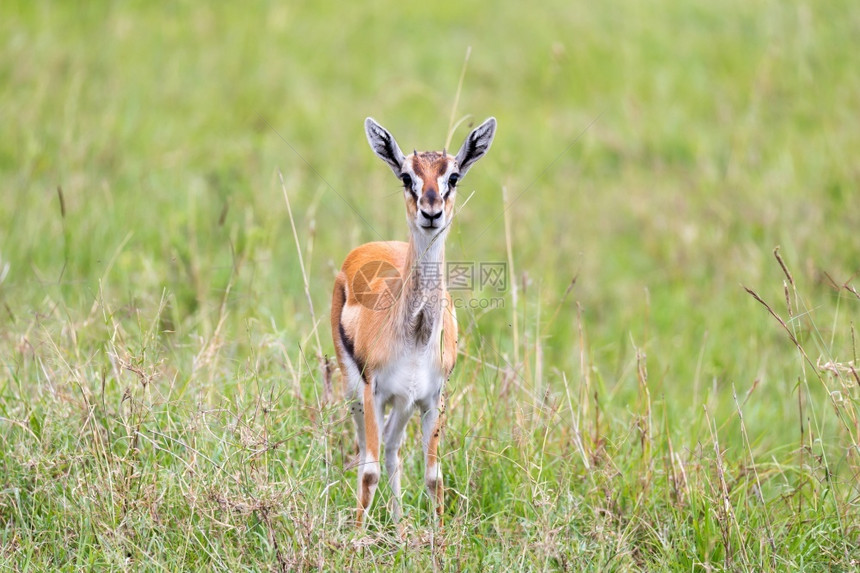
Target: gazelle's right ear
[{"x": 384, "y": 145}]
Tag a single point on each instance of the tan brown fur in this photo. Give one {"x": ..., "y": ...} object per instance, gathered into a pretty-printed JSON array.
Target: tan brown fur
[
  {"x": 449, "y": 341},
  {"x": 373, "y": 330}
]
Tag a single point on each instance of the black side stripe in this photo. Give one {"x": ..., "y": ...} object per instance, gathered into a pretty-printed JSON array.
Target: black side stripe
[{"x": 350, "y": 349}]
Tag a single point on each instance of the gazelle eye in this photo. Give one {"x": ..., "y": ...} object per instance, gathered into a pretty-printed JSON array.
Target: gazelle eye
[
  {"x": 407, "y": 180},
  {"x": 452, "y": 182}
]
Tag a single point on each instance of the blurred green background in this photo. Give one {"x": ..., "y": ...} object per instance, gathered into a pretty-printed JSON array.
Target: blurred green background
[{"x": 658, "y": 152}]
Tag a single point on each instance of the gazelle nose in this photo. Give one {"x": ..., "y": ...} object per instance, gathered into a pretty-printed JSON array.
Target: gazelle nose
[{"x": 430, "y": 217}]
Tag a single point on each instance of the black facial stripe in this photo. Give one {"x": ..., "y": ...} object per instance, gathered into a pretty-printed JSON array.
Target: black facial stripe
[
  {"x": 408, "y": 183},
  {"x": 453, "y": 179}
]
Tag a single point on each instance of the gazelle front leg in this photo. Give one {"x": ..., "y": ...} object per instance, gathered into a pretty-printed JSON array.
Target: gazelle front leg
[
  {"x": 395, "y": 427},
  {"x": 368, "y": 465},
  {"x": 432, "y": 420}
]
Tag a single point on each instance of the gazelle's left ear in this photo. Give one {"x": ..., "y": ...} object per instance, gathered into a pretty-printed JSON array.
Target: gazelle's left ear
[{"x": 476, "y": 145}]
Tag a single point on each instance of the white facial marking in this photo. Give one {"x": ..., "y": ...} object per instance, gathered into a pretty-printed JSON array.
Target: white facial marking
[{"x": 443, "y": 180}]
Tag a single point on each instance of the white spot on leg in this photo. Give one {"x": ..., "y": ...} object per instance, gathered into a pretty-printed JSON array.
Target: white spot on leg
[{"x": 433, "y": 477}]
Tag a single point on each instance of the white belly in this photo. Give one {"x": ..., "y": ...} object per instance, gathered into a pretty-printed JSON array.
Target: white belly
[{"x": 415, "y": 376}]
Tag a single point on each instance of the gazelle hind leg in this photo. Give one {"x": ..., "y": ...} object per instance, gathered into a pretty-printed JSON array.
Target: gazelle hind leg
[
  {"x": 368, "y": 468},
  {"x": 432, "y": 420},
  {"x": 357, "y": 411}
]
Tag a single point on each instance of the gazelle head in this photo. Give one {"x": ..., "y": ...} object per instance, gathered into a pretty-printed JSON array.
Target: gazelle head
[{"x": 430, "y": 178}]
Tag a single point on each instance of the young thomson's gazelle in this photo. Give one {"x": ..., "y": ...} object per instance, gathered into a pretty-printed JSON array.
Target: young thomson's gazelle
[{"x": 392, "y": 320}]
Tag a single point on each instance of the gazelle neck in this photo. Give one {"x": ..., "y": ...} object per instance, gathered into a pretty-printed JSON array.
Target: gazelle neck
[
  {"x": 425, "y": 263},
  {"x": 424, "y": 286}
]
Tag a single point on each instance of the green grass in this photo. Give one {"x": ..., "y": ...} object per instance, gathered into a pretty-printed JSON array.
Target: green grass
[{"x": 162, "y": 405}]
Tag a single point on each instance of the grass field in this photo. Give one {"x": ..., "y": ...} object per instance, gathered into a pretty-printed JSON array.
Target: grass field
[{"x": 630, "y": 406}]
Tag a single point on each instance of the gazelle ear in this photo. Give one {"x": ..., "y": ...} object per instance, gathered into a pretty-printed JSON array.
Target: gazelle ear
[
  {"x": 384, "y": 145},
  {"x": 476, "y": 145}
]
